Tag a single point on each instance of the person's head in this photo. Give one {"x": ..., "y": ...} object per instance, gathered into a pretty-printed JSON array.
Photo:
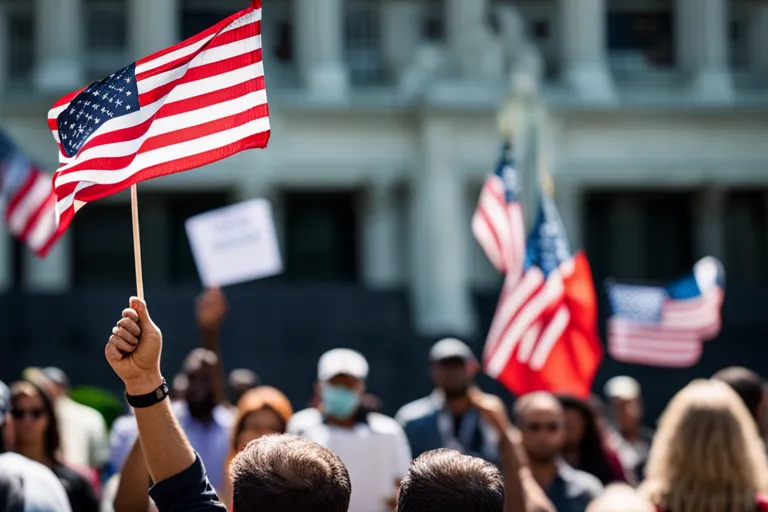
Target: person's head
[
  {"x": 6, "y": 420},
  {"x": 260, "y": 411},
  {"x": 452, "y": 367},
  {"x": 447, "y": 481},
  {"x": 242, "y": 380},
  {"x": 341, "y": 375},
  {"x": 626, "y": 404},
  {"x": 620, "y": 498},
  {"x": 707, "y": 455},
  {"x": 749, "y": 386},
  {"x": 539, "y": 417},
  {"x": 34, "y": 419},
  {"x": 284, "y": 472},
  {"x": 199, "y": 367}
]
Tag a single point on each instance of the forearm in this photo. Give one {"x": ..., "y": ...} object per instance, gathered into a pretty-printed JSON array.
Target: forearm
[
  {"x": 522, "y": 492},
  {"x": 167, "y": 451},
  {"x": 132, "y": 493}
]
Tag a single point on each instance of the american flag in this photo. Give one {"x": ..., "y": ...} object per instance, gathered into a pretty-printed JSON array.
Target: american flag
[
  {"x": 665, "y": 326},
  {"x": 543, "y": 334},
  {"x": 498, "y": 220},
  {"x": 29, "y": 200},
  {"x": 183, "y": 107}
]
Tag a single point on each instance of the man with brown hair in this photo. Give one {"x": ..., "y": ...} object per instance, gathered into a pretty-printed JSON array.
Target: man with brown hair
[
  {"x": 273, "y": 474},
  {"x": 285, "y": 472}
]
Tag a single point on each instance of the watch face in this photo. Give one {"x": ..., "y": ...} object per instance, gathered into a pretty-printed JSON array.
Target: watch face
[{"x": 159, "y": 393}]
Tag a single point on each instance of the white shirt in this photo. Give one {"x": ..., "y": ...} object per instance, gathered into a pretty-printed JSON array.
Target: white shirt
[
  {"x": 84, "y": 440},
  {"x": 42, "y": 490},
  {"x": 376, "y": 454}
]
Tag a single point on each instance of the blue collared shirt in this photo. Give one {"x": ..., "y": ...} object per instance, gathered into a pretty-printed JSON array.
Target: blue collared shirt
[{"x": 572, "y": 490}]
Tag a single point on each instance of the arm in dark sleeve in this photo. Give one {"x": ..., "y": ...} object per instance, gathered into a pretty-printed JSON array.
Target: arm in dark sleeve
[{"x": 189, "y": 491}]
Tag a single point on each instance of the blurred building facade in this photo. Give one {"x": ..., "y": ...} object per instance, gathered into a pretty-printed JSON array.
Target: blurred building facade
[{"x": 650, "y": 114}]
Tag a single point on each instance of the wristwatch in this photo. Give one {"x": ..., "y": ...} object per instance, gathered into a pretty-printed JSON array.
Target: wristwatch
[{"x": 150, "y": 399}]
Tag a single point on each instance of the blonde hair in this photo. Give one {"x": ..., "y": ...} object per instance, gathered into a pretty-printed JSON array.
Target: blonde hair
[
  {"x": 620, "y": 498},
  {"x": 707, "y": 455}
]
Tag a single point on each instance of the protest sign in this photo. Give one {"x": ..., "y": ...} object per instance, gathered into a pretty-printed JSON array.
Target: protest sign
[{"x": 235, "y": 244}]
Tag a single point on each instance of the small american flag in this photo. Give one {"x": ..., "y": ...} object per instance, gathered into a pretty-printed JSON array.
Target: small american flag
[
  {"x": 29, "y": 200},
  {"x": 665, "y": 326},
  {"x": 183, "y": 107},
  {"x": 498, "y": 220}
]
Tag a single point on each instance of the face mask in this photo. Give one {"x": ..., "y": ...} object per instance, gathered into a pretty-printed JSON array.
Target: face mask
[{"x": 339, "y": 402}]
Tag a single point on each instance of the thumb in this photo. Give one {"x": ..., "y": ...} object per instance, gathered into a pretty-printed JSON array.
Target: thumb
[{"x": 140, "y": 307}]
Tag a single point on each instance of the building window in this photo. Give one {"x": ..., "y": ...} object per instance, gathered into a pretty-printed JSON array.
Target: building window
[
  {"x": 433, "y": 25},
  {"x": 106, "y": 35},
  {"x": 639, "y": 235},
  {"x": 641, "y": 36},
  {"x": 103, "y": 240},
  {"x": 746, "y": 237},
  {"x": 363, "y": 42},
  {"x": 321, "y": 236},
  {"x": 21, "y": 42}
]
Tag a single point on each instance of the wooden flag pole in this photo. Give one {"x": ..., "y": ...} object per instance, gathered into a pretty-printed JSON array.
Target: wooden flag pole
[{"x": 136, "y": 242}]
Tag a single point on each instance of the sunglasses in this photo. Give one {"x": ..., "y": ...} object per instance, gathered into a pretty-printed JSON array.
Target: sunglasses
[
  {"x": 552, "y": 426},
  {"x": 34, "y": 414}
]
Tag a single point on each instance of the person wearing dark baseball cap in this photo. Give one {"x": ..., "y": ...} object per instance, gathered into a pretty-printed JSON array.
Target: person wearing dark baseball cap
[
  {"x": 24, "y": 483},
  {"x": 448, "y": 418}
]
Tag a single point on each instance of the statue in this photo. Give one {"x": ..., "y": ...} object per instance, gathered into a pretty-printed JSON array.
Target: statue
[{"x": 522, "y": 59}]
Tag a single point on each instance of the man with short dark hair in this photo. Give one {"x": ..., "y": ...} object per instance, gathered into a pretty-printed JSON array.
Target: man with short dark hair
[
  {"x": 285, "y": 472},
  {"x": 446, "y": 481},
  {"x": 749, "y": 386}
]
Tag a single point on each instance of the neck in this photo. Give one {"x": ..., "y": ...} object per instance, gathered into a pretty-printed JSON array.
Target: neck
[
  {"x": 458, "y": 404},
  {"x": 544, "y": 473},
  {"x": 345, "y": 423},
  {"x": 630, "y": 434},
  {"x": 35, "y": 452}
]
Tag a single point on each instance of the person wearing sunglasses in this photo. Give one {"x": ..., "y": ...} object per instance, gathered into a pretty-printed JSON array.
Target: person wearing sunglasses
[
  {"x": 541, "y": 421},
  {"x": 37, "y": 438}
]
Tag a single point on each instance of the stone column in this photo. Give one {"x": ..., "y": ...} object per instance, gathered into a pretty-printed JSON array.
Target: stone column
[
  {"x": 570, "y": 203},
  {"x": 52, "y": 274},
  {"x": 462, "y": 19},
  {"x": 440, "y": 230},
  {"x": 710, "y": 223},
  {"x": 400, "y": 34},
  {"x": 702, "y": 31},
  {"x": 583, "y": 43},
  {"x": 59, "y": 35},
  {"x": 319, "y": 32},
  {"x": 380, "y": 237},
  {"x": 758, "y": 39},
  {"x": 153, "y": 26}
]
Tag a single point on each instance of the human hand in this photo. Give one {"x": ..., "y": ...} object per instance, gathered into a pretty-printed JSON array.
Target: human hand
[
  {"x": 491, "y": 408},
  {"x": 211, "y": 308},
  {"x": 133, "y": 350}
]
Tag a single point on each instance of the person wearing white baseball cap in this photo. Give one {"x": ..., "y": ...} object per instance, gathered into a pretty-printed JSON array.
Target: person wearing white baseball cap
[
  {"x": 626, "y": 411},
  {"x": 372, "y": 446}
]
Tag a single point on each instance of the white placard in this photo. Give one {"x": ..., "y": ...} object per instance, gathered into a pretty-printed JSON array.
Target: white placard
[{"x": 235, "y": 244}]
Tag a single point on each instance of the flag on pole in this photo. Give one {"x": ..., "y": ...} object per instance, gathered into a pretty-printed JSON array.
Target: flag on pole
[
  {"x": 665, "y": 326},
  {"x": 189, "y": 105},
  {"x": 498, "y": 220},
  {"x": 544, "y": 333},
  {"x": 29, "y": 200}
]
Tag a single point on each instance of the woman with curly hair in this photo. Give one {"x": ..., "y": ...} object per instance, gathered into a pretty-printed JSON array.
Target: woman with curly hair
[{"x": 707, "y": 455}]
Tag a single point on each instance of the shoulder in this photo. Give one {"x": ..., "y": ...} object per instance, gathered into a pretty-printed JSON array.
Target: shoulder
[
  {"x": 224, "y": 416},
  {"x": 36, "y": 476},
  {"x": 580, "y": 482},
  {"x": 384, "y": 425},
  {"x": 415, "y": 410},
  {"x": 303, "y": 420}
]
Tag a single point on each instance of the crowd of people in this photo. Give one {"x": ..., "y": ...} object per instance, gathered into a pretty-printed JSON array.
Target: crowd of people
[{"x": 186, "y": 447}]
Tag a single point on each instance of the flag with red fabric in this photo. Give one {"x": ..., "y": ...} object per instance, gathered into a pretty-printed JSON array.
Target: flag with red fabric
[
  {"x": 544, "y": 333},
  {"x": 183, "y": 107}
]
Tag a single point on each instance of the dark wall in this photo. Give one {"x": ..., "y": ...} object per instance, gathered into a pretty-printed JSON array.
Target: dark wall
[{"x": 280, "y": 330}]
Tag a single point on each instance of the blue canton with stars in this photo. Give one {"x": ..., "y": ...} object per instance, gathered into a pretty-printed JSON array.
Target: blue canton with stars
[
  {"x": 547, "y": 246},
  {"x": 110, "y": 98},
  {"x": 635, "y": 302},
  {"x": 506, "y": 171}
]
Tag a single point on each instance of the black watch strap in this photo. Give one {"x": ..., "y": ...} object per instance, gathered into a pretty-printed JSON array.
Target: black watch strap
[{"x": 150, "y": 399}]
